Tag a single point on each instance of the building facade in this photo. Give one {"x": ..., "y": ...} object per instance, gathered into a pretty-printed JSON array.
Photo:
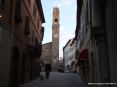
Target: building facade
[
  {"x": 97, "y": 20},
  {"x": 21, "y": 36},
  {"x": 69, "y": 55},
  {"x": 46, "y": 54},
  {"x": 111, "y": 29}
]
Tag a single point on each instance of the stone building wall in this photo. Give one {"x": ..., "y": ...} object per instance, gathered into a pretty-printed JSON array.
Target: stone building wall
[
  {"x": 111, "y": 25},
  {"x": 46, "y": 56},
  {"x": 47, "y": 52},
  {"x": 19, "y": 42}
]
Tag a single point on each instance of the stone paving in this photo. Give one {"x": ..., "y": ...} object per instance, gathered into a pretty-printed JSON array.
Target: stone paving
[{"x": 58, "y": 80}]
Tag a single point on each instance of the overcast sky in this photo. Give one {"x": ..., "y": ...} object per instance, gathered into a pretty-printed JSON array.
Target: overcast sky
[{"x": 67, "y": 20}]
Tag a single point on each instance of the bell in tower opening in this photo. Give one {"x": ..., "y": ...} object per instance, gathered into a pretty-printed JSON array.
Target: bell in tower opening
[{"x": 56, "y": 21}]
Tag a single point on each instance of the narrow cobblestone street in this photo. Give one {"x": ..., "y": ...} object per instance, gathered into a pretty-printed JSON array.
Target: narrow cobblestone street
[{"x": 58, "y": 80}]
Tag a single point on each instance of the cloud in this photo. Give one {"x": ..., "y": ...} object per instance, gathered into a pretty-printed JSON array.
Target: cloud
[
  {"x": 64, "y": 3},
  {"x": 68, "y": 2}
]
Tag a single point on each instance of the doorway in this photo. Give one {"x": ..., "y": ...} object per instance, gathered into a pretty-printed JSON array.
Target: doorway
[{"x": 15, "y": 67}]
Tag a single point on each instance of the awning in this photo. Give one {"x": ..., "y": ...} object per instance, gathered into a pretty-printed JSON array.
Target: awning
[{"x": 83, "y": 55}]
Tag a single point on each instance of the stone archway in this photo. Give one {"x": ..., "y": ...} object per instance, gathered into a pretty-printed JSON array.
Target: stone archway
[{"x": 15, "y": 67}]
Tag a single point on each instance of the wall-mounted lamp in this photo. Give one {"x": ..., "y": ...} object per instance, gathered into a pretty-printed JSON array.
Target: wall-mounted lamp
[{"x": 0, "y": 16}]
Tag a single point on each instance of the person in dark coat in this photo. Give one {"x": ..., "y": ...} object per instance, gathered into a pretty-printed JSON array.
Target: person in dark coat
[{"x": 47, "y": 70}]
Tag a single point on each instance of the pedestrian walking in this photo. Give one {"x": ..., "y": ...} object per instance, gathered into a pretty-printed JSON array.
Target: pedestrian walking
[{"x": 47, "y": 70}]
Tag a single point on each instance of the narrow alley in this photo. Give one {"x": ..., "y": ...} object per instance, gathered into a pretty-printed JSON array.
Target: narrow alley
[{"x": 58, "y": 80}]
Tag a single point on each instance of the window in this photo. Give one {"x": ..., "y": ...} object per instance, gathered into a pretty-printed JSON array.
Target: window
[
  {"x": 27, "y": 30},
  {"x": 18, "y": 18},
  {"x": 29, "y": 2},
  {"x": 34, "y": 11},
  {"x": 87, "y": 20},
  {"x": 2, "y": 3},
  {"x": 38, "y": 22},
  {"x": 33, "y": 37}
]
